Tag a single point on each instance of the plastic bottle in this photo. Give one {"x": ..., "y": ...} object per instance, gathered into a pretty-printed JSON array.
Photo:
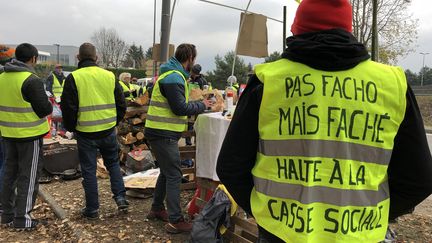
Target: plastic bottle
[
  {"x": 229, "y": 100},
  {"x": 53, "y": 132}
]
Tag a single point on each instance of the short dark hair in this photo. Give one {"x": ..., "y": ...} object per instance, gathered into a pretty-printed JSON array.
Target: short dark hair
[
  {"x": 25, "y": 52},
  {"x": 184, "y": 52},
  {"x": 87, "y": 51}
]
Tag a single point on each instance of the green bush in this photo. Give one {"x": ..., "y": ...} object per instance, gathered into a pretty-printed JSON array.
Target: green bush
[
  {"x": 137, "y": 73},
  {"x": 43, "y": 70}
]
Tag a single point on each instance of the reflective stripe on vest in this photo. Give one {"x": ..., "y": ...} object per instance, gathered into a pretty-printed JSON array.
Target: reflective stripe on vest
[
  {"x": 57, "y": 88},
  {"x": 17, "y": 118},
  {"x": 126, "y": 89},
  {"x": 325, "y": 148},
  {"x": 97, "y": 109},
  {"x": 326, "y": 140},
  {"x": 159, "y": 114}
]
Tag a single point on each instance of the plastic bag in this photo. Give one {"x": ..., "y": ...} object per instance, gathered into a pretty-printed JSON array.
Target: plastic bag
[{"x": 57, "y": 113}]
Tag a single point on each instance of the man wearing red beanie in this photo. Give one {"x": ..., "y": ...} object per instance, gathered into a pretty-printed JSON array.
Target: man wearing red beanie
[{"x": 332, "y": 144}]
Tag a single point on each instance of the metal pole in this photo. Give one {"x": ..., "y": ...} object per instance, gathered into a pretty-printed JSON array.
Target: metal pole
[
  {"x": 284, "y": 28},
  {"x": 374, "y": 30},
  {"x": 58, "y": 56},
  {"x": 164, "y": 43},
  {"x": 154, "y": 37},
  {"x": 423, "y": 69},
  {"x": 172, "y": 15}
]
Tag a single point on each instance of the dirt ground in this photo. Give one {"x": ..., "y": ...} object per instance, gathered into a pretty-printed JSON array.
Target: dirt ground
[
  {"x": 111, "y": 227},
  {"x": 134, "y": 227}
]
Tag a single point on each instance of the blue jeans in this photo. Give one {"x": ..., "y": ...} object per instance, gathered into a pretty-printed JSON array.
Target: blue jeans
[
  {"x": 168, "y": 183},
  {"x": 87, "y": 151}
]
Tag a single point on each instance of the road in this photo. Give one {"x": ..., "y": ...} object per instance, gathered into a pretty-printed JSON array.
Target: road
[{"x": 425, "y": 208}]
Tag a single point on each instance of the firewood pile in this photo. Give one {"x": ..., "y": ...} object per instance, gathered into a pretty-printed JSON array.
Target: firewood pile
[{"x": 130, "y": 131}]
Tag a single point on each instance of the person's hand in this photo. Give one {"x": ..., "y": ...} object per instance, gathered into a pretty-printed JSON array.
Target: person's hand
[{"x": 208, "y": 103}]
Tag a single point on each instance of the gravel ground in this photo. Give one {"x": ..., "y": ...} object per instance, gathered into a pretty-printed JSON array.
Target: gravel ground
[
  {"x": 134, "y": 227},
  {"x": 111, "y": 227}
]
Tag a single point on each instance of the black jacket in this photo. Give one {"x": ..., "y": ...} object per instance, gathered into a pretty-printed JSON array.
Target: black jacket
[
  {"x": 33, "y": 92},
  {"x": 410, "y": 168},
  {"x": 70, "y": 104},
  {"x": 199, "y": 80}
]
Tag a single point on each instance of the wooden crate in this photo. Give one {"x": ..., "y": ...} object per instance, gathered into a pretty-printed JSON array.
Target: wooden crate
[
  {"x": 242, "y": 230},
  {"x": 188, "y": 152}
]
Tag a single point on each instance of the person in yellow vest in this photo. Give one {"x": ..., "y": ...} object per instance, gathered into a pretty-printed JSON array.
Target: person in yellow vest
[
  {"x": 166, "y": 120},
  {"x": 325, "y": 144},
  {"x": 138, "y": 89},
  {"x": 6, "y": 55},
  {"x": 92, "y": 105},
  {"x": 24, "y": 106},
  {"x": 128, "y": 89},
  {"x": 55, "y": 82}
]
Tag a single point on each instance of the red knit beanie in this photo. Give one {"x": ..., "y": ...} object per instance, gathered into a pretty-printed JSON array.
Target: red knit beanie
[{"x": 316, "y": 15}]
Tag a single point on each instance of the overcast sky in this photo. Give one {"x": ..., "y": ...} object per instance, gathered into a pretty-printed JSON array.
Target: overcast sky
[{"x": 213, "y": 29}]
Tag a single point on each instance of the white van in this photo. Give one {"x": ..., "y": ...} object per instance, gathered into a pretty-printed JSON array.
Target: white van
[{"x": 144, "y": 81}]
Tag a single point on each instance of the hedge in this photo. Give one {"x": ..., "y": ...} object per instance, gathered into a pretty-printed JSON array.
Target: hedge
[{"x": 43, "y": 70}]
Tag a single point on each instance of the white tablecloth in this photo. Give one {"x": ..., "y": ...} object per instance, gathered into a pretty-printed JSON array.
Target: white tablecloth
[{"x": 210, "y": 129}]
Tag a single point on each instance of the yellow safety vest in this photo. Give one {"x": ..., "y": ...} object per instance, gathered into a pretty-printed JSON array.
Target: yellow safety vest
[
  {"x": 97, "y": 108},
  {"x": 137, "y": 88},
  {"x": 326, "y": 140},
  {"x": 159, "y": 114},
  {"x": 57, "y": 88},
  {"x": 235, "y": 87},
  {"x": 126, "y": 88},
  {"x": 17, "y": 118}
]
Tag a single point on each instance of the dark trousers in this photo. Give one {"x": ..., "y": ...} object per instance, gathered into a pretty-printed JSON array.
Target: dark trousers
[
  {"x": 87, "y": 151},
  {"x": 190, "y": 128},
  {"x": 21, "y": 172},
  {"x": 169, "y": 180},
  {"x": 2, "y": 158}
]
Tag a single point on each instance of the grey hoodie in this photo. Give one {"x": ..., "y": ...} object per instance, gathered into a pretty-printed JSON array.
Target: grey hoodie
[{"x": 32, "y": 91}]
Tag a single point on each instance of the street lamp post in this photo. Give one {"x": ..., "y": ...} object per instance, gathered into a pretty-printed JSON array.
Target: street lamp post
[
  {"x": 58, "y": 53},
  {"x": 423, "y": 69}
]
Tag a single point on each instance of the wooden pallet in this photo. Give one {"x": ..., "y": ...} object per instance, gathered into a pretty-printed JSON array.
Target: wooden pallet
[
  {"x": 188, "y": 152},
  {"x": 242, "y": 230}
]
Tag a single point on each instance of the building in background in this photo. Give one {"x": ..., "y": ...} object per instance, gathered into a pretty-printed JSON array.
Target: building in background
[{"x": 48, "y": 54}]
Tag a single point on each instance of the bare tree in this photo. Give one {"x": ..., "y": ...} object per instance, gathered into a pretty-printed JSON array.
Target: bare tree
[
  {"x": 397, "y": 29},
  {"x": 110, "y": 46}
]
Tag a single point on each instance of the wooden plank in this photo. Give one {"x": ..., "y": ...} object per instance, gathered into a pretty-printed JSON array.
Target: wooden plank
[
  {"x": 187, "y": 134},
  {"x": 190, "y": 170},
  {"x": 188, "y": 186},
  {"x": 232, "y": 237},
  {"x": 133, "y": 111},
  {"x": 187, "y": 148},
  {"x": 245, "y": 224},
  {"x": 249, "y": 236},
  {"x": 187, "y": 155}
]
